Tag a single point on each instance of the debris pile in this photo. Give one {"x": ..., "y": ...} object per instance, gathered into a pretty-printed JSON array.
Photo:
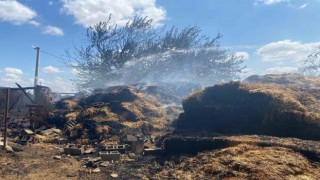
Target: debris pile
[
  {"x": 108, "y": 114},
  {"x": 242, "y": 108},
  {"x": 42, "y": 134}
]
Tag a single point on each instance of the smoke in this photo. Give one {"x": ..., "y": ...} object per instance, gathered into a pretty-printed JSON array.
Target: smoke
[{"x": 204, "y": 66}]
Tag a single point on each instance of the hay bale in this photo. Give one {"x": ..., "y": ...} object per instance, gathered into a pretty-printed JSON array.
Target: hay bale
[{"x": 242, "y": 108}]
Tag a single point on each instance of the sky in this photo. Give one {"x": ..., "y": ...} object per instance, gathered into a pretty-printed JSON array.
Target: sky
[{"x": 273, "y": 36}]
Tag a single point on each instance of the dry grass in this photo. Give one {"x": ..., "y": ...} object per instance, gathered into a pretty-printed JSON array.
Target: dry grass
[
  {"x": 98, "y": 114},
  {"x": 103, "y": 114},
  {"x": 68, "y": 104},
  {"x": 88, "y": 112},
  {"x": 291, "y": 80},
  {"x": 71, "y": 104},
  {"x": 311, "y": 148},
  {"x": 244, "y": 162},
  {"x": 36, "y": 162},
  {"x": 45, "y": 139},
  {"x": 72, "y": 116},
  {"x": 285, "y": 97},
  {"x": 261, "y": 163},
  {"x": 135, "y": 125},
  {"x": 134, "y": 109}
]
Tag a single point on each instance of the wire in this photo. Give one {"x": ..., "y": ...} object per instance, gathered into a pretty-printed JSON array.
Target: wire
[{"x": 54, "y": 55}]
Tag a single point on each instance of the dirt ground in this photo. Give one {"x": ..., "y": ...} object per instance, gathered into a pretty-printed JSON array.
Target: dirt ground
[
  {"x": 243, "y": 157},
  {"x": 36, "y": 161}
]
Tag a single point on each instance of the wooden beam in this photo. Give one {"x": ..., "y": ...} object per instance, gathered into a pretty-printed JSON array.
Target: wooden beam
[
  {"x": 15, "y": 89},
  {"x": 24, "y": 92}
]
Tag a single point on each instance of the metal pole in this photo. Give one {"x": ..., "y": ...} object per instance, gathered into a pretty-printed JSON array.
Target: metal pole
[
  {"x": 37, "y": 67},
  {"x": 6, "y": 120}
]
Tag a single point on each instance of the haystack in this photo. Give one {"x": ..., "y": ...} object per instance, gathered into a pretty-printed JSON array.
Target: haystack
[
  {"x": 111, "y": 113},
  {"x": 242, "y": 108}
]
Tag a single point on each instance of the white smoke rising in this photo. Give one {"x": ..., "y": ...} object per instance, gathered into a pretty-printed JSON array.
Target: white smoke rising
[{"x": 205, "y": 66}]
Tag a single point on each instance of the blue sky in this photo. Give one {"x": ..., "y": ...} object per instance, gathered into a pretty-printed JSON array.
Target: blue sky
[{"x": 274, "y": 36}]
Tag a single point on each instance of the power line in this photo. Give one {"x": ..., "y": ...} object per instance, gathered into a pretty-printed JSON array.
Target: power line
[{"x": 59, "y": 57}]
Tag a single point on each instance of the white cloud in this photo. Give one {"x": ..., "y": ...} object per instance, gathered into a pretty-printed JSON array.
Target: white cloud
[
  {"x": 242, "y": 47},
  {"x": 51, "y": 69},
  {"x": 52, "y": 30},
  {"x": 244, "y": 55},
  {"x": 10, "y": 70},
  {"x": 289, "y": 3},
  {"x": 90, "y": 12},
  {"x": 280, "y": 70},
  {"x": 303, "y": 6},
  {"x": 35, "y": 23},
  {"x": 15, "y": 12},
  {"x": 50, "y": 3},
  {"x": 287, "y": 50},
  {"x": 11, "y": 76},
  {"x": 270, "y": 2},
  {"x": 58, "y": 84},
  {"x": 9, "y": 81}
]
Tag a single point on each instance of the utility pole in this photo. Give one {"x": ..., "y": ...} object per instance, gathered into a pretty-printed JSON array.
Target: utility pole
[
  {"x": 37, "y": 66},
  {"x": 6, "y": 114}
]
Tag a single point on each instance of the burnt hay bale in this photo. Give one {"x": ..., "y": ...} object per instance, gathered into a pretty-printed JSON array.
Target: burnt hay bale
[
  {"x": 242, "y": 108},
  {"x": 116, "y": 93},
  {"x": 110, "y": 113}
]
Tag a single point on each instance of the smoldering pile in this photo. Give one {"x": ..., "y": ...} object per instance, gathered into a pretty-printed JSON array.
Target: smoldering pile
[
  {"x": 242, "y": 108},
  {"x": 108, "y": 114}
]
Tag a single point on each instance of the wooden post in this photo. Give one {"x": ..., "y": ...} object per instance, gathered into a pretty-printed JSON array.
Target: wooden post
[
  {"x": 25, "y": 93},
  {"x": 6, "y": 119}
]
